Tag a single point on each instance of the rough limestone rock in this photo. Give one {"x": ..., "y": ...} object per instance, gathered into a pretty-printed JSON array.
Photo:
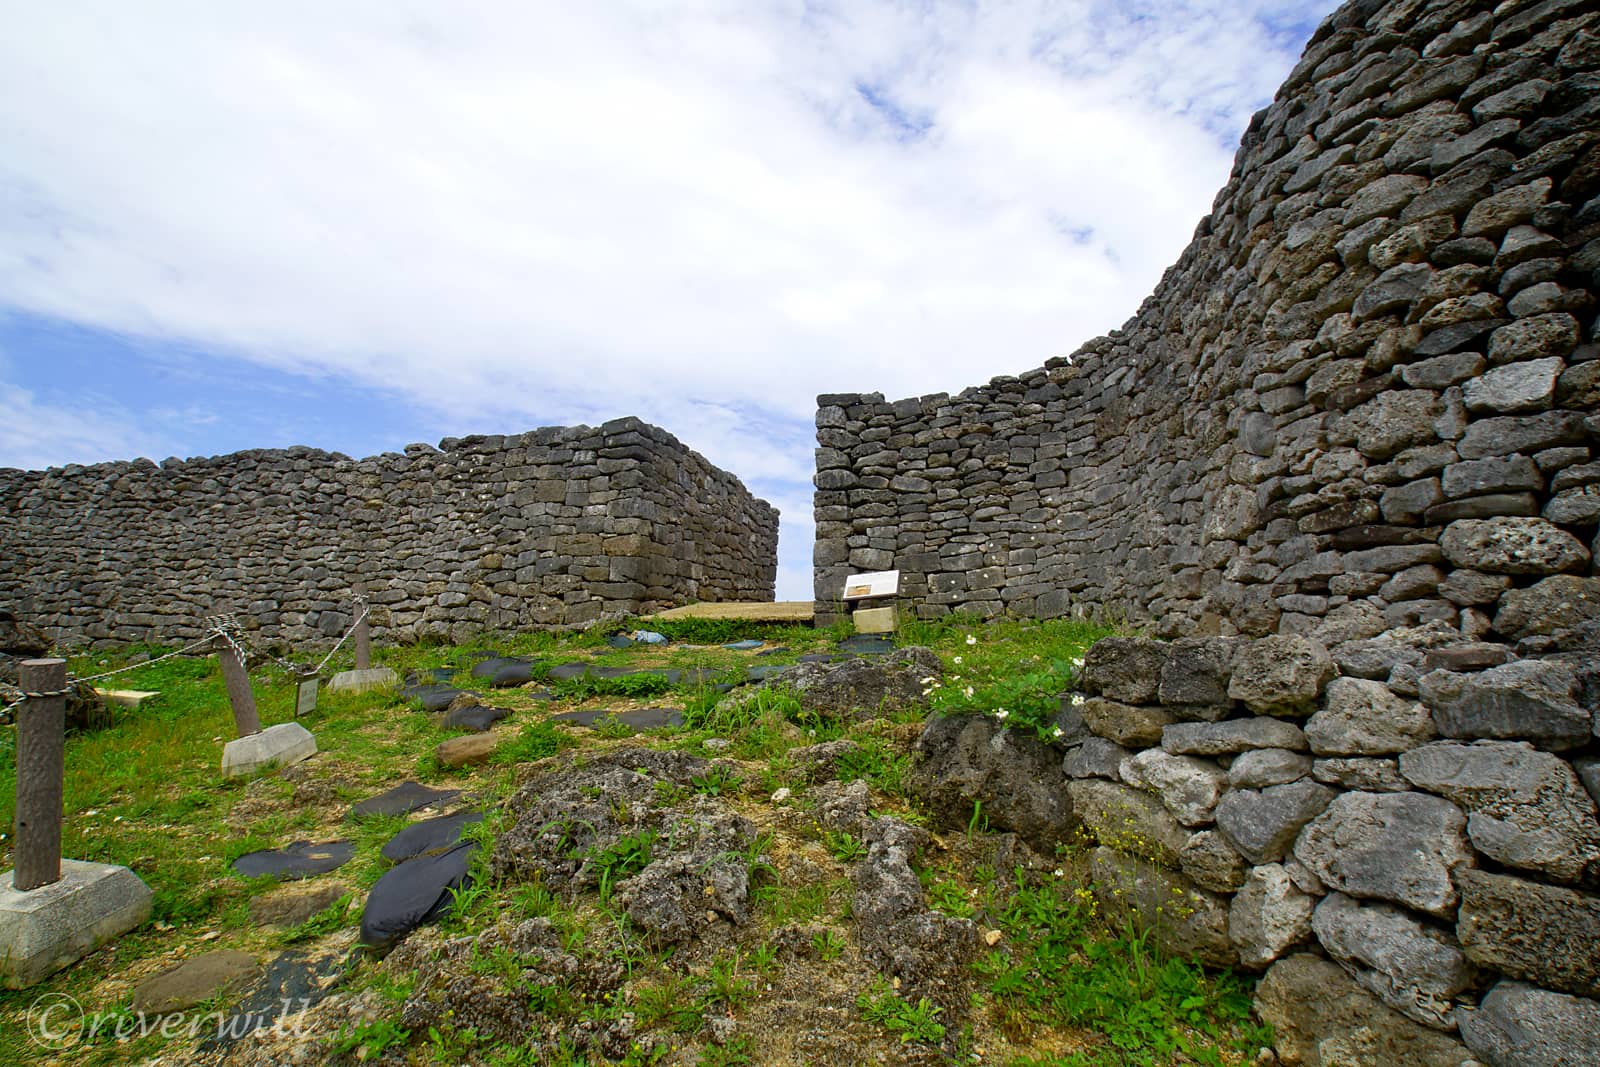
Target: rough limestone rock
[
  {"x": 965, "y": 760},
  {"x": 1181, "y": 918},
  {"x": 1189, "y": 787},
  {"x": 1212, "y": 863},
  {"x": 1520, "y": 1025},
  {"x": 1364, "y": 773},
  {"x": 1413, "y": 967},
  {"x": 1125, "y": 724},
  {"x": 863, "y": 688},
  {"x": 1125, "y": 669},
  {"x": 1128, "y": 820},
  {"x": 1529, "y": 700},
  {"x": 1263, "y": 767},
  {"x": 1095, "y": 758},
  {"x": 1268, "y": 916},
  {"x": 1540, "y": 933},
  {"x": 1555, "y": 607},
  {"x": 1512, "y": 545},
  {"x": 1314, "y": 1008},
  {"x": 1197, "y": 670},
  {"x": 1263, "y": 824},
  {"x": 466, "y": 750},
  {"x": 1525, "y": 808},
  {"x": 1280, "y": 675},
  {"x": 1235, "y": 735},
  {"x": 1364, "y": 718},
  {"x": 1400, "y": 847}
]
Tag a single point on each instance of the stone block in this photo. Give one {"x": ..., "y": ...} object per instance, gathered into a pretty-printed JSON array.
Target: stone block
[
  {"x": 363, "y": 681},
  {"x": 874, "y": 620},
  {"x": 1539, "y": 933},
  {"x": 1399, "y": 847},
  {"x": 46, "y": 929},
  {"x": 282, "y": 745}
]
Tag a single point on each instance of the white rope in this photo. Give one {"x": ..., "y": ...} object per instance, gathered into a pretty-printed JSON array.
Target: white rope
[{"x": 361, "y": 615}]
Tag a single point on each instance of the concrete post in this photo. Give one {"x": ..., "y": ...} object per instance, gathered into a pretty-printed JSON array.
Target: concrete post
[
  {"x": 245, "y": 719},
  {"x": 363, "y": 634},
  {"x": 41, "y": 769}
]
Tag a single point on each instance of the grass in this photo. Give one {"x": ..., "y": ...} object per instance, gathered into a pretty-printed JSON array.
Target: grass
[{"x": 145, "y": 792}]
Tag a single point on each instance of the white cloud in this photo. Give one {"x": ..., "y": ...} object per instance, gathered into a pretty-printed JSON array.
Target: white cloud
[
  {"x": 36, "y": 434},
  {"x": 564, "y": 213}
]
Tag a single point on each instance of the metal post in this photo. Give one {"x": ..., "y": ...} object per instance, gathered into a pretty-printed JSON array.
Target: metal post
[
  {"x": 363, "y": 633},
  {"x": 245, "y": 719},
  {"x": 41, "y": 768}
]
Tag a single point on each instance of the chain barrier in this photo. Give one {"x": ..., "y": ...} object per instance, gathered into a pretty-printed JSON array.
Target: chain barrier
[{"x": 221, "y": 627}]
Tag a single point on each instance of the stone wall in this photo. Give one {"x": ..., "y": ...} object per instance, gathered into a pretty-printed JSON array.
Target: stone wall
[
  {"x": 1365, "y": 396},
  {"x": 1403, "y": 829},
  {"x": 554, "y": 526}
]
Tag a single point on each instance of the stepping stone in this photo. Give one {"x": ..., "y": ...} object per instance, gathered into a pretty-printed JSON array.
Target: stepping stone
[
  {"x": 442, "y": 674},
  {"x": 613, "y": 672},
  {"x": 412, "y": 893},
  {"x": 293, "y": 905},
  {"x": 867, "y": 644},
  {"x": 467, "y": 750},
  {"x": 540, "y": 694},
  {"x": 477, "y": 717},
  {"x": 565, "y": 671},
  {"x": 581, "y": 718},
  {"x": 293, "y": 982},
  {"x": 772, "y": 651},
  {"x": 300, "y": 859},
  {"x": 403, "y": 799},
  {"x": 651, "y": 718},
  {"x": 433, "y": 697},
  {"x": 429, "y": 835},
  {"x": 486, "y": 668},
  {"x": 696, "y": 676},
  {"x": 512, "y": 674},
  {"x": 618, "y": 641},
  {"x": 194, "y": 981},
  {"x": 744, "y": 646},
  {"x": 761, "y": 672}
]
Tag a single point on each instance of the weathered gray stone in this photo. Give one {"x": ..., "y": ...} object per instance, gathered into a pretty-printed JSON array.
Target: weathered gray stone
[
  {"x": 1515, "y": 387},
  {"x": 1392, "y": 422},
  {"x": 1321, "y": 1018},
  {"x": 1125, "y": 724},
  {"x": 194, "y": 981},
  {"x": 1196, "y": 671},
  {"x": 1556, "y": 606},
  {"x": 1528, "y": 700},
  {"x": 1363, "y": 773},
  {"x": 1189, "y": 787},
  {"x": 1473, "y": 587},
  {"x": 1280, "y": 675},
  {"x": 1540, "y": 933},
  {"x": 967, "y": 763},
  {"x": 1095, "y": 758},
  {"x": 1262, "y": 824},
  {"x": 1497, "y": 474},
  {"x": 1125, "y": 669},
  {"x": 1181, "y": 918},
  {"x": 1412, "y": 967},
  {"x": 282, "y": 745},
  {"x": 1520, "y": 1025},
  {"x": 1525, "y": 808},
  {"x": 1363, "y": 718},
  {"x": 1211, "y": 862},
  {"x": 1268, "y": 916},
  {"x": 1400, "y": 847},
  {"x": 1234, "y": 735},
  {"x": 1514, "y": 545},
  {"x": 1128, "y": 820},
  {"x": 1260, "y": 768}
]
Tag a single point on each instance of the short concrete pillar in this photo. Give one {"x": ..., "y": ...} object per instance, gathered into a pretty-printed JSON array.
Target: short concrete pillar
[
  {"x": 41, "y": 769},
  {"x": 363, "y": 634}
]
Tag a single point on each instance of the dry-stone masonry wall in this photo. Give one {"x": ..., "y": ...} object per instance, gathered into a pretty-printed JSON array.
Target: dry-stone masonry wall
[
  {"x": 553, "y": 526},
  {"x": 1400, "y": 831},
  {"x": 1365, "y": 396}
]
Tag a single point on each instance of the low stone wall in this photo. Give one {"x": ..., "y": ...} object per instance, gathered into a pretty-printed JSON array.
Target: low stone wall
[
  {"x": 554, "y": 526},
  {"x": 1366, "y": 393},
  {"x": 1417, "y": 808}
]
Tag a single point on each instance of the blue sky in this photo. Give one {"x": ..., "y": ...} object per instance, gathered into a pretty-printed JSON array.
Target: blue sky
[{"x": 361, "y": 225}]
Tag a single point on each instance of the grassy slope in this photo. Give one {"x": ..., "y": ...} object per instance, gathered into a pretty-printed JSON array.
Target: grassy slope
[{"x": 1056, "y": 989}]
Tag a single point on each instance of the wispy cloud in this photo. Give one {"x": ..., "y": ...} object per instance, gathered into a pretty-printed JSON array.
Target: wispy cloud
[{"x": 564, "y": 213}]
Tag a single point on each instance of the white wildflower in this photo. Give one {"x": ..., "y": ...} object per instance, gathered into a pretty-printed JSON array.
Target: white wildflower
[
  {"x": 1077, "y": 700},
  {"x": 971, "y": 640},
  {"x": 1056, "y": 732},
  {"x": 956, "y": 660},
  {"x": 1001, "y": 713},
  {"x": 967, "y": 692}
]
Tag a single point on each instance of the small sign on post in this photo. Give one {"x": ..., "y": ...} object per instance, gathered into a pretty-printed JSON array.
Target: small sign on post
[
  {"x": 881, "y": 586},
  {"x": 305, "y": 697}
]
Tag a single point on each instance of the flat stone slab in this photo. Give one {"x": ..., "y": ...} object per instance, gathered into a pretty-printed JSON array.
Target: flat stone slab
[
  {"x": 363, "y": 681},
  {"x": 293, "y": 905},
  {"x": 282, "y": 745},
  {"x": 412, "y": 893},
  {"x": 466, "y": 750},
  {"x": 432, "y": 697},
  {"x": 300, "y": 859},
  {"x": 125, "y": 698},
  {"x": 477, "y": 718},
  {"x": 46, "y": 929},
  {"x": 292, "y": 982},
  {"x": 867, "y": 644},
  {"x": 795, "y": 611},
  {"x": 748, "y": 645},
  {"x": 403, "y": 799},
  {"x": 874, "y": 620},
  {"x": 194, "y": 981},
  {"x": 564, "y": 671},
  {"x": 429, "y": 835}
]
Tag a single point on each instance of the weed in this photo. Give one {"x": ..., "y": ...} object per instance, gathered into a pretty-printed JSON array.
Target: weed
[
  {"x": 735, "y": 1052},
  {"x": 726, "y": 985},
  {"x": 718, "y": 779},
  {"x": 536, "y": 741},
  {"x": 670, "y": 1004},
  {"x": 326, "y": 921},
  {"x": 626, "y": 856},
  {"x": 829, "y": 944},
  {"x": 915, "y": 1023},
  {"x": 369, "y": 1039},
  {"x": 845, "y": 846}
]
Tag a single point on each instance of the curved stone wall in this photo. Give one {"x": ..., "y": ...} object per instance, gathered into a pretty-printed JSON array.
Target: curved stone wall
[
  {"x": 553, "y": 526},
  {"x": 1365, "y": 395}
]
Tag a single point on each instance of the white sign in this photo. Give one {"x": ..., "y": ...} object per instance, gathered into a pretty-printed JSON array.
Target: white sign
[
  {"x": 305, "y": 698},
  {"x": 877, "y": 583}
]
